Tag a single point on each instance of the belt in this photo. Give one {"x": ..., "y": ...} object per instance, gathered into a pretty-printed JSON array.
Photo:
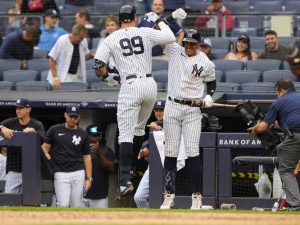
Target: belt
[
  {"x": 135, "y": 76},
  {"x": 177, "y": 100}
]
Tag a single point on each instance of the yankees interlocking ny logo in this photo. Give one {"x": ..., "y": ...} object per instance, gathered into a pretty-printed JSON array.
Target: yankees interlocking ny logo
[
  {"x": 76, "y": 140},
  {"x": 197, "y": 71}
]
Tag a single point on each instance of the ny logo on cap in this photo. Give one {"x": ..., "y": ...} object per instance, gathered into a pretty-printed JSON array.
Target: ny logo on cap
[
  {"x": 190, "y": 35},
  {"x": 159, "y": 103},
  {"x": 74, "y": 109},
  {"x": 18, "y": 101}
]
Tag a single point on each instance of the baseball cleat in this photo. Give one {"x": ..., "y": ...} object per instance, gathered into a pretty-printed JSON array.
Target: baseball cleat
[
  {"x": 196, "y": 201},
  {"x": 124, "y": 189},
  {"x": 168, "y": 201}
]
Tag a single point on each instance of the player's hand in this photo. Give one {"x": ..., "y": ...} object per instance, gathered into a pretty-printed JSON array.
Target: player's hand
[
  {"x": 144, "y": 152},
  {"x": 56, "y": 84},
  {"x": 179, "y": 14},
  {"x": 208, "y": 101},
  {"x": 151, "y": 17},
  {"x": 154, "y": 126},
  {"x": 113, "y": 79}
]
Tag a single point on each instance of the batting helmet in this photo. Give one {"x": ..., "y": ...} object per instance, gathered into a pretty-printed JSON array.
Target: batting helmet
[
  {"x": 191, "y": 35},
  {"x": 127, "y": 13},
  {"x": 293, "y": 58}
]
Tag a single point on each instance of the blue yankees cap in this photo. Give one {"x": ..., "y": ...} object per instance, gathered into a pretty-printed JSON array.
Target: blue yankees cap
[
  {"x": 160, "y": 104},
  {"x": 22, "y": 102},
  {"x": 73, "y": 110}
]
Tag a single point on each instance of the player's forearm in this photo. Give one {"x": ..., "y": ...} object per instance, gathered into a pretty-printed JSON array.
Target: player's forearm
[
  {"x": 52, "y": 64},
  {"x": 88, "y": 165},
  {"x": 167, "y": 33}
]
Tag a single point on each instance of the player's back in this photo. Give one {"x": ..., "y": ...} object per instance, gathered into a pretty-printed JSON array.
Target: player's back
[{"x": 131, "y": 49}]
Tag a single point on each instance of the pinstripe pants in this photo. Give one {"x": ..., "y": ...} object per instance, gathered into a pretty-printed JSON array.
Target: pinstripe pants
[
  {"x": 182, "y": 120},
  {"x": 69, "y": 188},
  {"x": 13, "y": 183},
  {"x": 141, "y": 196},
  {"x": 135, "y": 104}
]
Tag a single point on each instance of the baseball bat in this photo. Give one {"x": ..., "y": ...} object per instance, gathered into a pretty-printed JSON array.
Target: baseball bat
[
  {"x": 223, "y": 105},
  {"x": 296, "y": 170}
]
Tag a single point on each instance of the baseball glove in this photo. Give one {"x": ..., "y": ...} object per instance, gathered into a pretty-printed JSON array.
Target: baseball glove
[{"x": 195, "y": 102}]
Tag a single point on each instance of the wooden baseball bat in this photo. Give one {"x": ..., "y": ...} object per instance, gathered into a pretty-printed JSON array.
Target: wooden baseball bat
[
  {"x": 223, "y": 105},
  {"x": 297, "y": 168}
]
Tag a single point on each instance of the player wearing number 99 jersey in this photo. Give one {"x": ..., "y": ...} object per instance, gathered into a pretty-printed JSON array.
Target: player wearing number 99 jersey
[{"x": 131, "y": 48}]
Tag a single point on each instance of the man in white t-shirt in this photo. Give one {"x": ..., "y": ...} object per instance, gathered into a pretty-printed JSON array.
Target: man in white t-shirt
[{"x": 68, "y": 56}]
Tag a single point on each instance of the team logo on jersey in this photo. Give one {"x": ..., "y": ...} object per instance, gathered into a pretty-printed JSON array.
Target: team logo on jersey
[
  {"x": 76, "y": 140},
  {"x": 197, "y": 72}
]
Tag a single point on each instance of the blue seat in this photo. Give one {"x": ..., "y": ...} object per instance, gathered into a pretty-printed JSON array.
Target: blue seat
[
  {"x": 258, "y": 87},
  {"x": 8, "y": 64},
  {"x": 161, "y": 76},
  {"x": 272, "y": 76},
  {"x": 249, "y": 31},
  {"x": 159, "y": 65},
  {"x": 225, "y": 65},
  {"x": 292, "y": 6},
  {"x": 33, "y": 86},
  {"x": 257, "y": 43},
  {"x": 242, "y": 76},
  {"x": 219, "y": 76},
  {"x": 44, "y": 75},
  {"x": 108, "y": 7},
  {"x": 286, "y": 66},
  {"x": 102, "y": 86},
  {"x": 219, "y": 53},
  {"x": 286, "y": 41},
  {"x": 38, "y": 65},
  {"x": 6, "y": 85},
  {"x": 196, "y": 5},
  {"x": 263, "y": 64},
  {"x": 74, "y": 86},
  {"x": 40, "y": 53},
  {"x": 19, "y": 75},
  {"x": 89, "y": 64},
  {"x": 238, "y": 7},
  {"x": 249, "y": 21},
  {"x": 92, "y": 77},
  {"x": 227, "y": 87},
  {"x": 268, "y": 6},
  {"x": 220, "y": 43}
]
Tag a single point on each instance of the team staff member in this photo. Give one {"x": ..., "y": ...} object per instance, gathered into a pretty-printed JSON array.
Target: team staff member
[
  {"x": 131, "y": 48},
  {"x": 23, "y": 122},
  {"x": 286, "y": 111},
  {"x": 67, "y": 146},
  {"x": 189, "y": 69},
  {"x": 103, "y": 164}
]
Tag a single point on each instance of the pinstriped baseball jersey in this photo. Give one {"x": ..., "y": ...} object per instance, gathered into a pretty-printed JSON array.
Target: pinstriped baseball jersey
[
  {"x": 131, "y": 49},
  {"x": 187, "y": 74}
]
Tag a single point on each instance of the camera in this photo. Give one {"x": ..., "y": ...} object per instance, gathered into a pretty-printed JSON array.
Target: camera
[{"x": 251, "y": 114}]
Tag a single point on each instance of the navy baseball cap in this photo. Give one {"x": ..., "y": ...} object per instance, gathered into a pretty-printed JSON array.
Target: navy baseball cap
[
  {"x": 73, "y": 110},
  {"x": 160, "y": 104},
  {"x": 93, "y": 130},
  {"x": 51, "y": 13},
  {"x": 22, "y": 102}
]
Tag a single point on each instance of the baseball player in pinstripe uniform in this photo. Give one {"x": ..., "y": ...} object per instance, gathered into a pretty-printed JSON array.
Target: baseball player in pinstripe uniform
[
  {"x": 131, "y": 48},
  {"x": 188, "y": 70}
]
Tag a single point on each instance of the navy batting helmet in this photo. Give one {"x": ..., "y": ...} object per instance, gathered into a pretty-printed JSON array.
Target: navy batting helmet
[
  {"x": 293, "y": 58},
  {"x": 127, "y": 13},
  {"x": 191, "y": 35}
]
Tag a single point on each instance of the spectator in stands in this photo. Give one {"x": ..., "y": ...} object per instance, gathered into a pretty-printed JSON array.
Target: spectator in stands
[
  {"x": 20, "y": 44},
  {"x": 141, "y": 196},
  {"x": 158, "y": 7},
  {"x": 205, "y": 46},
  {"x": 68, "y": 56},
  {"x": 216, "y": 7},
  {"x": 50, "y": 32},
  {"x": 83, "y": 17},
  {"x": 15, "y": 22},
  {"x": 273, "y": 50},
  {"x": 23, "y": 122},
  {"x": 242, "y": 50},
  {"x": 103, "y": 164},
  {"x": 67, "y": 146},
  {"x": 3, "y": 157}
]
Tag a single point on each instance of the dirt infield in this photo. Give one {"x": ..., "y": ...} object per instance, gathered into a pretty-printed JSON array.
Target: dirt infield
[{"x": 146, "y": 218}]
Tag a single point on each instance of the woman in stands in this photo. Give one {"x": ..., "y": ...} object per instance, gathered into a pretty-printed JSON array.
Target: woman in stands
[{"x": 242, "y": 50}]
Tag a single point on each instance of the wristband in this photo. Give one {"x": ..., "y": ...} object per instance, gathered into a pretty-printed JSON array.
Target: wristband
[{"x": 158, "y": 20}]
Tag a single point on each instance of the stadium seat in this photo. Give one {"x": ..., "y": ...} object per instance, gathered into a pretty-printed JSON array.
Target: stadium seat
[
  {"x": 219, "y": 53},
  {"x": 258, "y": 87},
  {"x": 108, "y": 7},
  {"x": 272, "y": 76},
  {"x": 268, "y": 6},
  {"x": 161, "y": 87},
  {"x": 219, "y": 76},
  {"x": 286, "y": 41},
  {"x": 89, "y": 64},
  {"x": 19, "y": 75},
  {"x": 286, "y": 66},
  {"x": 44, "y": 75},
  {"x": 238, "y": 6},
  {"x": 159, "y": 65},
  {"x": 257, "y": 43},
  {"x": 38, "y": 65},
  {"x": 263, "y": 64},
  {"x": 225, "y": 65},
  {"x": 8, "y": 64},
  {"x": 95, "y": 42},
  {"x": 33, "y": 86},
  {"x": 292, "y": 6},
  {"x": 74, "y": 86},
  {"x": 92, "y": 77},
  {"x": 196, "y": 6},
  {"x": 250, "y": 31},
  {"x": 6, "y": 85},
  {"x": 40, "y": 53},
  {"x": 98, "y": 86},
  {"x": 227, "y": 87},
  {"x": 242, "y": 76},
  {"x": 220, "y": 43},
  {"x": 161, "y": 76}
]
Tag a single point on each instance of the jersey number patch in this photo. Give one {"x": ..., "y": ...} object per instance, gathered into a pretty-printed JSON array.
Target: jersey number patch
[{"x": 132, "y": 46}]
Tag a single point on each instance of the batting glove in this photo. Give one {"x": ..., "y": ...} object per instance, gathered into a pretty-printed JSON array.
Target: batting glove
[
  {"x": 112, "y": 79},
  {"x": 152, "y": 17},
  {"x": 208, "y": 101},
  {"x": 179, "y": 14}
]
